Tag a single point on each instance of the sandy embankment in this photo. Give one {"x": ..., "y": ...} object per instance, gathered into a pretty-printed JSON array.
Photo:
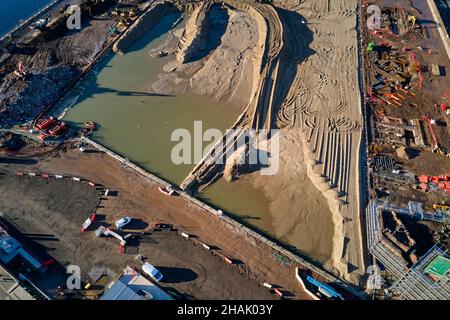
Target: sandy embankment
[
  {"x": 333, "y": 201},
  {"x": 219, "y": 55},
  {"x": 326, "y": 109}
]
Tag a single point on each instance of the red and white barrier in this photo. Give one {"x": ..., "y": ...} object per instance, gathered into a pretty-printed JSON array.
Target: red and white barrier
[
  {"x": 86, "y": 224},
  {"x": 278, "y": 293},
  {"x": 76, "y": 179},
  {"x": 228, "y": 260},
  {"x": 57, "y": 176}
]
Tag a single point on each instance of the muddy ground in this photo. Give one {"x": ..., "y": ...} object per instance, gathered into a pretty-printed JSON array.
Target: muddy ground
[
  {"x": 141, "y": 199},
  {"x": 51, "y": 213}
]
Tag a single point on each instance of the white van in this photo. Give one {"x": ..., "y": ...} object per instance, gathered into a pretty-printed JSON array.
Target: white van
[{"x": 152, "y": 271}]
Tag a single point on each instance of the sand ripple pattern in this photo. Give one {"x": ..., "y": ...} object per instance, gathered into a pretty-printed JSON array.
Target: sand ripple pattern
[{"x": 321, "y": 101}]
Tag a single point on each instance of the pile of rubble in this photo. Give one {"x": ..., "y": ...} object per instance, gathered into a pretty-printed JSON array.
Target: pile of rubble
[
  {"x": 21, "y": 101},
  {"x": 11, "y": 141}
]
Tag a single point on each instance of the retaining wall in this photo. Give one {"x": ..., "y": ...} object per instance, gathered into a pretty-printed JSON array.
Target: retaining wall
[
  {"x": 440, "y": 26},
  {"x": 142, "y": 25}
]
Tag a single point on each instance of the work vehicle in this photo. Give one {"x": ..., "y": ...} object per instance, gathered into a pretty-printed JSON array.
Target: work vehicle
[
  {"x": 167, "y": 191},
  {"x": 151, "y": 271},
  {"x": 122, "y": 222},
  {"x": 444, "y": 207},
  {"x": 41, "y": 24}
]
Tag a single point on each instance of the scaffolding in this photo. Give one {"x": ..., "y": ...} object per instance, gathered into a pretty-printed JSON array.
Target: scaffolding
[
  {"x": 412, "y": 283},
  {"x": 379, "y": 247},
  {"x": 417, "y": 285},
  {"x": 415, "y": 211}
]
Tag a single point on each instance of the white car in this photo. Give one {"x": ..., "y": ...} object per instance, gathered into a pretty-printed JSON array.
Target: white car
[
  {"x": 152, "y": 271},
  {"x": 122, "y": 222}
]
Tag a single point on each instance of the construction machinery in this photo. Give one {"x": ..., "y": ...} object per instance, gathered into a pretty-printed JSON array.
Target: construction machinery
[
  {"x": 412, "y": 20},
  {"x": 443, "y": 207},
  {"x": 431, "y": 125},
  {"x": 324, "y": 289},
  {"x": 41, "y": 24}
]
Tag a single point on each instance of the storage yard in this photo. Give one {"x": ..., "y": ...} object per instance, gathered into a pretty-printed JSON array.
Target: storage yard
[{"x": 362, "y": 104}]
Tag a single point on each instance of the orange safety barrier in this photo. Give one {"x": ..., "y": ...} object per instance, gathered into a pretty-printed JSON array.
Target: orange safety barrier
[{"x": 18, "y": 173}]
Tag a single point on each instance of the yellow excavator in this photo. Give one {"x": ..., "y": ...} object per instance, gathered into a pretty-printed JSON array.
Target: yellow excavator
[
  {"x": 412, "y": 20},
  {"x": 441, "y": 207}
]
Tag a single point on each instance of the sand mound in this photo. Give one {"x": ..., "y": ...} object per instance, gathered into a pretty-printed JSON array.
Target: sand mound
[{"x": 219, "y": 55}]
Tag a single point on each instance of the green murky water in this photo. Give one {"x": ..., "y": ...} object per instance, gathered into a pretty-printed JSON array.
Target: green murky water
[{"x": 135, "y": 122}]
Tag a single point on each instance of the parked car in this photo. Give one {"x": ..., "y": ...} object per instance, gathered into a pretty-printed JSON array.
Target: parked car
[
  {"x": 152, "y": 271},
  {"x": 122, "y": 222}
]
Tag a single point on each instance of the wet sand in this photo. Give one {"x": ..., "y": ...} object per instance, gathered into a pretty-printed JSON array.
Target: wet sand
[{"x": 286, "y": 205}]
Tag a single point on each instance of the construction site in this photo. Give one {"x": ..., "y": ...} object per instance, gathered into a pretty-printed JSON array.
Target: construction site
[
  {"x": 357, "y": 91},
  {"x": 405, "y": 60}
]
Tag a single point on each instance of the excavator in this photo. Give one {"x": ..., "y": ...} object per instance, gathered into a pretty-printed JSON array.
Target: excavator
[
  {"x": 412, "y": 20},
  {"x": 441, "y": 207}
]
